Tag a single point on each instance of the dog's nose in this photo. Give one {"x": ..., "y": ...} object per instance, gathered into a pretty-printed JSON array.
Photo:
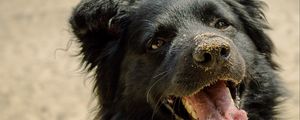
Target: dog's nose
[{"x": 210, "y": 51}]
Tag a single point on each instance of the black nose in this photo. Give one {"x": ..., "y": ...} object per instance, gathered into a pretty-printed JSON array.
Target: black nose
[{"x": 211, "y": 51}]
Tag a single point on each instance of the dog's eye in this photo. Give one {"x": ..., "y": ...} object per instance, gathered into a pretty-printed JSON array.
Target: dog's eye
[
  {"x": 222, "y": 24},
  {"x": 156, "y": 44}
]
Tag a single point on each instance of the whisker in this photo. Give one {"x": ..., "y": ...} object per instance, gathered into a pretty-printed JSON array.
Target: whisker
[
  {"x": 156, "y": 107},
  {"x": 160, "y": 76},
  {"x": 162, "y": 73},
  {"x": 148, "y": 92},
  {"x": 254, "y": 80}
]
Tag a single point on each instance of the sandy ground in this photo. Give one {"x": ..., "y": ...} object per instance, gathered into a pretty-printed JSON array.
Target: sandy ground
[{"x": 39, "y": 83}]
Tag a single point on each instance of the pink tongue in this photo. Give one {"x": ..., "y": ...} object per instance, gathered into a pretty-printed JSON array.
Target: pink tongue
[{"x": 215, "y": 103}]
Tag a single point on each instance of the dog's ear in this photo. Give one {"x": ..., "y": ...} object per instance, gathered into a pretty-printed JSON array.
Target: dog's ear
[
  {"x": 251, "y": 14},
  {"x": 97, "y": 24}
]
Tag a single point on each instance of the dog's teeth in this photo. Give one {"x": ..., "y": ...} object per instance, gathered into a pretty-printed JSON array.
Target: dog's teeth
[
  {"x": 237, "y": 98},
  {"x": 189, "y": 109},
  {"x": 238, "y": 101},
  {"x": 170, "y": 101}
]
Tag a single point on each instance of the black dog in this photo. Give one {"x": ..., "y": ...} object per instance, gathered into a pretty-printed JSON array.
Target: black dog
[{"x": 178, "y": 59}]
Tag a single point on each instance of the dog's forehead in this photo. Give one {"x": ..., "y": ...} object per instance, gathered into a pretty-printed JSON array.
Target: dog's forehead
[
  {"x": 180, "y": 13},
  {"x": 182, "y": 8}
]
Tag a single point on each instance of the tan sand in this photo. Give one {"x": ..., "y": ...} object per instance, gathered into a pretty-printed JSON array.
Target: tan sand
[{"x": 37, "y": 84}]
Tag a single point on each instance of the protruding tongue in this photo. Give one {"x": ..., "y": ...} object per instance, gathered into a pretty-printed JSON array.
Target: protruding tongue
[{"x": 213, "y": 103}]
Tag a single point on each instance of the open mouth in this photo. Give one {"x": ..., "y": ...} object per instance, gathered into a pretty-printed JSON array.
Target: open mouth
[{"x": 219, "y": 101}]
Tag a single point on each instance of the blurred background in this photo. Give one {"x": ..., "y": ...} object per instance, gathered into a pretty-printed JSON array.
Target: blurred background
[{"x": 41, "y": 80}]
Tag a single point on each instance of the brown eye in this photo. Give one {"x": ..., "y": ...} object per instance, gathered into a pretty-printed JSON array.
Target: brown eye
[
  {"x": 222, "y": 24},
  {"x": 156, "y": 44}
]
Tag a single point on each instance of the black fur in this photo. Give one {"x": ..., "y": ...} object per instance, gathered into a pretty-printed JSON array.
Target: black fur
[{"x": 114, "y": 35}]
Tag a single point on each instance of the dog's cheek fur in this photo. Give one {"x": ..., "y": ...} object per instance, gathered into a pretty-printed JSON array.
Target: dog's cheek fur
[
  {"x": 136, "y": 74},
  {"x": 263, "y": 91}
]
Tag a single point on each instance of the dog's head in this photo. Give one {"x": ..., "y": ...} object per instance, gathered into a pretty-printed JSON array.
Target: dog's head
[{"x": 177, "y": 57}]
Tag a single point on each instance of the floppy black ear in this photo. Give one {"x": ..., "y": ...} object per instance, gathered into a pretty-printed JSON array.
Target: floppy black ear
[
  {"x": 251, "y": 14},
  {"x": 97, "y": 25}
]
